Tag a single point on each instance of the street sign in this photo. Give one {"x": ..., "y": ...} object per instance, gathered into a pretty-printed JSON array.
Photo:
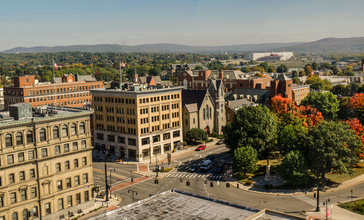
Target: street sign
[{"x": 110, "y": 187}]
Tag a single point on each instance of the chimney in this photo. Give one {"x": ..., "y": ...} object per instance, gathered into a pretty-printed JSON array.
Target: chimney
[
  {"x": 251, "y": 98},
  {"x": 221, "y": 74},
  {"x": 228, "y": 102}
]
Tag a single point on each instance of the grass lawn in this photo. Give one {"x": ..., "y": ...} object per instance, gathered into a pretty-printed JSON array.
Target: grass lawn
[
  {"x": 289, "y": 64},
  {"x": 355, "y": 206}
]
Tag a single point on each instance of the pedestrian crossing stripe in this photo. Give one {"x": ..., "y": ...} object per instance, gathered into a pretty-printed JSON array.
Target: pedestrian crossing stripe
[{"x": 184, "y": 175}]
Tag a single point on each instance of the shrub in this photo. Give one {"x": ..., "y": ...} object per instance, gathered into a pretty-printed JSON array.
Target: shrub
[
  {"x": 214, "y": 134},
  {"x": 209, "y": 140},
  {"x": 221, "y": 136},
  {"x": 184, "y": 143},
  {"x": 249, "y": 182}
]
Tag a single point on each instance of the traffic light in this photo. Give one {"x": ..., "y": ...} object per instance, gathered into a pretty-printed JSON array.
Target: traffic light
[{"x": 156, "y": 181}]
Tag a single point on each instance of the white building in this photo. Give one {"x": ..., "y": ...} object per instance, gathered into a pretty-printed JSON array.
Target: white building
[{"x": 255, "y": 56}]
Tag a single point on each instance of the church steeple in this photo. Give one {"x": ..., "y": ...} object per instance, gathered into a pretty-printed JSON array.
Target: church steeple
[{"x": 135, "y": 76}]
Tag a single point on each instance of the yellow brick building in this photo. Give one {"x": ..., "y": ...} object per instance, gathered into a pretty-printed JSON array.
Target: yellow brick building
[
  {"x": 45, "y": 162},
  {"x": 139, "y": 122}
]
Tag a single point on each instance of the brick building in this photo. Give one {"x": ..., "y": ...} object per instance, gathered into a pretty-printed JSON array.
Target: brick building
[{"x": 68, "y": 90}]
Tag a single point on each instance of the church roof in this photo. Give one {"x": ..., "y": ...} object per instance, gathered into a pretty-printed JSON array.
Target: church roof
[
  {"x": 193, "y": 96},
  {"x": 283, "y": 77},
  {"x": 192, "y": 107}
]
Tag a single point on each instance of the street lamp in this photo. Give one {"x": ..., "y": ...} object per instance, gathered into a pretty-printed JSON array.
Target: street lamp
[{"x": 110, "y": 181}]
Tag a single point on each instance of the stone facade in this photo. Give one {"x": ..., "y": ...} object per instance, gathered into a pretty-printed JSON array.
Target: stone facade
[{"x": 46, "y": 165}]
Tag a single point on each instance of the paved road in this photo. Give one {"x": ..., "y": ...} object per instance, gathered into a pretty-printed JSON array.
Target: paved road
[{"x": 200, "y": 184}]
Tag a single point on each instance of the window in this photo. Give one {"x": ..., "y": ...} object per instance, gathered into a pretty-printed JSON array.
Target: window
[
  {"x": 30, "y": 155},
  {"x": 15, "y": 216},
  {"x": 8, "y": 140},
  {"x": 131, "y": 142},
  {"x": 75, "y": 146},
  {"x": 23, "y": 194},
  {"x": 55, "y": 132},
  {"x": 13, "y": 197},
  {"x": 42, "y": 134},
  {"x": 20, "y": 157},
  {"x": 25, "y": 214},
  {"x": 11, "y": 178},
  {"x": 73, "y": 129},
  {"x": 111, "y": 138},
  {"x": 100, "y": 136},
  {"x": 58, "y": 167},
  {"x": 166, "y": 136},
  {"x": 77, "y": 180},
  {"x": 67, "y": 165},
  {"x": 84, "y": 161},
  {"x": 44, "y": 152},
  {"x": 22, "y": 175},
  {"x": 78, "y": 198},
  {"x": 29, "y": 137},
  {"x": 1, "y": 201},
  {"x": 10, "y": 159},
  {"x": 83, "y": 144},
  {"x": 69, "y": 201},
  {"x": 35, "y": 211},
  {"x": 121, "y": 140},
  {"x": 86, "y": 196},
  {"x": 32, "y": 173},
  {"x": 60, "y": 204},
  {"x": 34, "y": 192},
  {"x": 176, "y": 134},
  {"x": 48, "y": 208},
  {"x": 19, "y": 138},
  {"x": 82, "y": 128},
  {"x": 145, "y": 141},
  {"x": 64, "y": 131},
  {"x": 75, "y": 163},
  {"x": 66, "y": 148},
  {"x": 85, "y": 178},
  {"x": 59, "y": 185},
  {"x": 68, "y": 182}
]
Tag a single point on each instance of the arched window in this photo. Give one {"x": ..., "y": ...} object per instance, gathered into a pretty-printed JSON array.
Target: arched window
[
  {"x": 25, "y": 214},
  {"x": 8, "y": 140},
  {"x": 82, "y": 128},
  {"x": 64, "y": 131},
  {"x": 29, "y": 137},
  {"x": 55, "y": 132},
  {"x": 185, "y": 83},
  {"x": 204, "y": 114},
  {"x": 15, "y": 216},
  {"x": 210, "y": 113},
  {"x": 42, "y": 134},
  {"x": 35, "y": 211},
  {"x": 73, "y": 129},
  {"x": 19, "y": 138}
]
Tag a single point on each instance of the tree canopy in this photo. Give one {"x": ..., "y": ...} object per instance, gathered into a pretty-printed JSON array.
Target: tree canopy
[
  {"x": 325, "y": 102},
  {"x": 245, "y": 160}
]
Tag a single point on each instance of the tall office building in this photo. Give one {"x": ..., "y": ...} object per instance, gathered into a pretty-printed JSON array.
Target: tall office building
[
  {"x": 45, "y": 162},
  {"x": 139, "y": 121}
]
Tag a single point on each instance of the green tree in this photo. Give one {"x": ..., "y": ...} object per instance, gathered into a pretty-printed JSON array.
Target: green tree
[
  {"x": 338, "y": 89},
  {"x": 317, "y": 83},
  {"x": 325, "y": 66},
  {"x": 291, "y": 137},
  {"x": 332, "y": 146},
  {"x": 264, "y": 65},
  {"x": 349, "y": 71},
  {"x": 335, "y": 70},
  {"x": 282, "y": 68},
  {"x": 245, "y": 70},
  {"x": 295, "y": 73},
  {"x": 155, "y": 71},
  {"x": 296, "y": 80},
  {"x": 294, "y": 169},
  {"x": 245, "y": 160},
  {"x": 195, "y": 134},
  {"x": 215, "y": 65},
  {"x": 198, "y": 67},
  {"x": 271, "y": 69},
  {"x": 345, "y": 113},
  {"x": 255, "y": 126},
  {"x": 324, "y": 102},
  {"x": 314, "y": 66}
]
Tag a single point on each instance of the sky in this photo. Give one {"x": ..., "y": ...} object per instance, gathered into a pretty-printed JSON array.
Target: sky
[{"x": 25, "y": 23}]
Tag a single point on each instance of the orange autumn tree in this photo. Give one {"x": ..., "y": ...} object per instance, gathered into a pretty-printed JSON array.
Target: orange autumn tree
[
  {"x": 355, "y": 125},
  {"x": 288, "y": 113},
  {"x": 356, "y": 103}
]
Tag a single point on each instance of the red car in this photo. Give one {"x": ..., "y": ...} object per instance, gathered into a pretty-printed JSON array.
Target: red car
[{"x": 201, "y": 147}]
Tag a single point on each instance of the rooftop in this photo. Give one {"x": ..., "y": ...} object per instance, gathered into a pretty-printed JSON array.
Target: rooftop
[
  {"x": 137, "y": 88},
  {"x": 177, "y": 204}
]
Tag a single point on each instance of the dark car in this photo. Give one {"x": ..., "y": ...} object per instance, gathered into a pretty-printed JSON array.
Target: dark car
[
  {"x": 201, "y": 147},
  {"x": 220, "y": 142},
  {"x": 211, "y": 157},
  {"x": 194, "y": 168},
  {"x": 218, "y": 170}
]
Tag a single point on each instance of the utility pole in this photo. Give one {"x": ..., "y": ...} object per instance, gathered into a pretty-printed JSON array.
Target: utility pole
[
  {"x": 106, "y": 186},
  {"x": 110, "y": 181},
  {"x": 318, "y": 190}
]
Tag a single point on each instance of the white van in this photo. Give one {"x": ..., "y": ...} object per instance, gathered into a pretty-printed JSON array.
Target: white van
[{"x": 206, "y": 165}]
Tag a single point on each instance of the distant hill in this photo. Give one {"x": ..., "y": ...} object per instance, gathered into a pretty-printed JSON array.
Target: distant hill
[
  {"x": 330, "y": 45},
  {"x": 153, "y": 48}
]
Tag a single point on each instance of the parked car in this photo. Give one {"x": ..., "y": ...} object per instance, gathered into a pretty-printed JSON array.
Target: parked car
[
  {"x": 194, "y": 168},
  {"x": 201, "y": 147},
  {"x": 222, "y": 141},
  {"x": 211, "y": 157}
]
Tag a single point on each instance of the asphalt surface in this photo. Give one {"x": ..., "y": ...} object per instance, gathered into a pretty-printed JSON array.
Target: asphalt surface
[{"x": 199, "y": 183}]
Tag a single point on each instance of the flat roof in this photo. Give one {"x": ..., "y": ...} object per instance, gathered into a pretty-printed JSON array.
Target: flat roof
[{"x": 177, "y": 204}]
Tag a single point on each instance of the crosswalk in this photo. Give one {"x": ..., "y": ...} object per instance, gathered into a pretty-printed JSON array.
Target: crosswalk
[{"x": 194, "y": 175}]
